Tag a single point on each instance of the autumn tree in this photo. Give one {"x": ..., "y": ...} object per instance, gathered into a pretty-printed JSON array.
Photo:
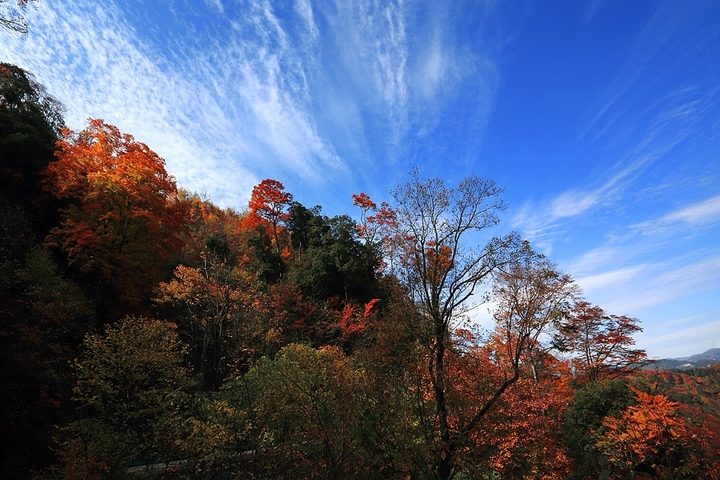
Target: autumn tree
[
  {"x": 264, "y": 246},
  {"x": 651, "y": 440},
  {"x": 504, "y": 395},
  {"x": 122, "y": 222},
  {"x": 601, "y": 343},
  {"x": 207, "y": 300},
  {"x": 227, "y": 309},
  {"x": 533, "y": 299},
  {"x": 315, "y": 401},
  {"x": 582, "y": 425},
  {"x": 226, "y": 317},
  {"x": 302, "y": 414},
  {"x": 441, "y": 273},
  {"x": 377, "y": 227},
  {"x": 210, "y": 229},
  {"x": 520, "y": 436},
  {"x": 132, "y": 388},
  {"x": 269, "y": 201}
]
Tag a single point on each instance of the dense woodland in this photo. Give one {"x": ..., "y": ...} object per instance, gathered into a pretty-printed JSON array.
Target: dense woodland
[{"x": 147, "y": 333}]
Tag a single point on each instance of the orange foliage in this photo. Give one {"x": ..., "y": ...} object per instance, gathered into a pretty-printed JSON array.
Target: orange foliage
[
  {"x": 207, "y": 221},
  {"x": 268, "y": 208},
  {"x": 519, "y": 437},
  {"x": 352, "y": 322},
  {"x": 378, "y": 226},
  {"x": 653, "y": 440},
  {"x": 124, "y": 216},
  {"x": 439, "y": 260}
]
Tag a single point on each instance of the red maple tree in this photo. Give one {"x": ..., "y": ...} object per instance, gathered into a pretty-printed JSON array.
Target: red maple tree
[{"x": 124, "y": 216}]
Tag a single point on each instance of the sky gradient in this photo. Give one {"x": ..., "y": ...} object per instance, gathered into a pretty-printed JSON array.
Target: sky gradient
[{"x": 600, "y": 119}]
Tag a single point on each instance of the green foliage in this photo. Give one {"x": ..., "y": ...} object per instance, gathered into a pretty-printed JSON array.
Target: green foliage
[
  {"x": 583, "y": 424},
  {"x": 131, "y": 387},
  {"x": 54, "y": 298},
  {"x": 42, "y": 318},
  {"x": 262, "y": 258},
  {"x": 331, "y": 260},
  {"x": 303, "y": 412}
]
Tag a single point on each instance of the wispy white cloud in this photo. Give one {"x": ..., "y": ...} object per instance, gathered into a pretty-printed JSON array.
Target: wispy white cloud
[
  {"x": 305, "y": 11},
  {"x": 268, "y": 86},
  {"x": 680, "y": 341},
  {"x": 217, "y": 110},
  {"x": 650, "y": 42},
  {"x": 597, "y": 259},
  {"x": 699, "y": 214},
  {"x": 549, "y": 220},
  {"x": 216, "y": 5},
  {"x": 573, "y": 202},
  {"x": 702, "y": 212},
  {"x": 622, "y": 279},
  {"x": 638, "y": 287},
  {"x": 434, "y": 67},
  {"x": 271, "y": 96},
  {"x": 610, "y": 279},
  {"x": 371, "y": 40}
]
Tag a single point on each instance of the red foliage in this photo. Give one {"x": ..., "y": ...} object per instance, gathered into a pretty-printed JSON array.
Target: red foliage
[
  {"x": 519, "y": 436},
  {"x": 352, "y": 322},
  {"x": 268, "y": 208},
  {"x": 380, "y": 226},
  {"x": 125, "y": 217},
  {"x": 602, "y": 342},
  {"x": 269, "y": 201},
  {"x": 652, "y": 439}
]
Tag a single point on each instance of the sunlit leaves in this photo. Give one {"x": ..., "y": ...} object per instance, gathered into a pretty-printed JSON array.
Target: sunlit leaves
[
  {"x": 208, "y": 300},
  {"x": 648, "y": 438},
  {"x": 122, "y": 220},
  {"x": 269, "y": 202},
  {"x": 303, "y": 414}
]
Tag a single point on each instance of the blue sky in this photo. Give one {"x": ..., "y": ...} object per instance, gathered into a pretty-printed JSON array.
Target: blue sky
[{"x": 600, "y": 119}]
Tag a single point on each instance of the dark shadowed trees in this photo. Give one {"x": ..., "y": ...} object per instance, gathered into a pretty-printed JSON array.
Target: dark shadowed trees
[{"x": 132, "y": 388}]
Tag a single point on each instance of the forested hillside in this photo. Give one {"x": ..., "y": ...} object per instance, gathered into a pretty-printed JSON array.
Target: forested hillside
[{"x": 147, "y": 333}]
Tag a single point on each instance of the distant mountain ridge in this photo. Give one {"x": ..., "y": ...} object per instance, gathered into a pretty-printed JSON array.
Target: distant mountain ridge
[
  {"x": 700, "y": 360},
  {"x": 712, "y": 354}
]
